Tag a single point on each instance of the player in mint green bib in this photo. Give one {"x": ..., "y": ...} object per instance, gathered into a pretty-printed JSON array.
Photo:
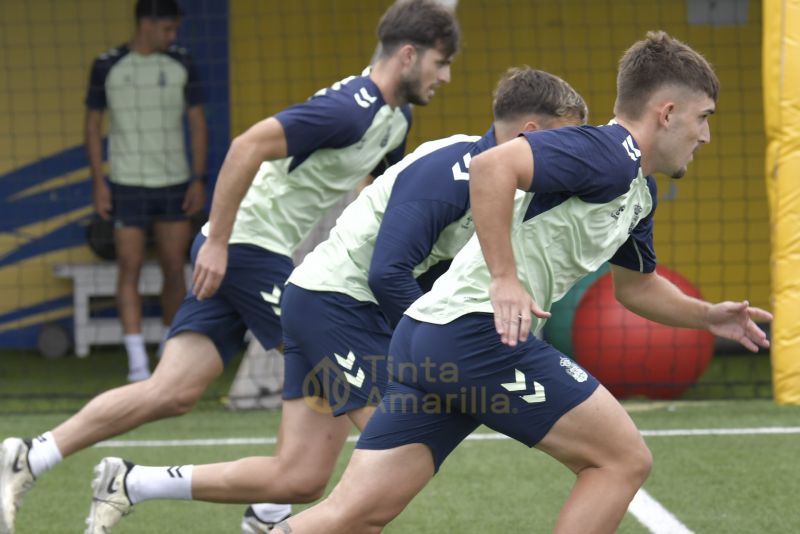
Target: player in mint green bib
[{"x": 548, "y": 207}]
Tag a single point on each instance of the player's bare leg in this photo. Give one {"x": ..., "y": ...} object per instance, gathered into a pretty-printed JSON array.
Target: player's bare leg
[
  {"x": 130, "y": 246},
  {"x": 190, "y": 363},
  {"x": 376, "y": 486},
  {"x": 309, "y": 442},
  {"x": 172, "y": 243},
  {"x": 599, "y": 442}
]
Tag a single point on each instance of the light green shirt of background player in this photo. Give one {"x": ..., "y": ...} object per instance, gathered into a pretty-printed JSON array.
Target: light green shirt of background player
[{"x": 146, "y": 98}]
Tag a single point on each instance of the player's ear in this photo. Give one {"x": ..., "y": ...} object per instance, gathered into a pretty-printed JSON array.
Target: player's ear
[
  {"x": 407, "y": 54},
  {"x": 665, "y": 112},
  {"x": 531, "y": 126}
]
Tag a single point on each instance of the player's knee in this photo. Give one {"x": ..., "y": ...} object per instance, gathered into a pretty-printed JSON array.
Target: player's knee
[
  {"x": 370, "y": 521},
  {"x": 354, "y": 518},
  {"x": 183, "y": 402},
  {"x": 640, "y": 463},
  {"x": 173, "y": 400},
  {"x": 173, "y": 268},
  {"x": 306, "y": 489},
  {"x": 363, "y": 513}
]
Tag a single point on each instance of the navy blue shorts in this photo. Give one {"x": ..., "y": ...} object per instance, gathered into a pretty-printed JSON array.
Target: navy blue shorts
[
  {"x": 248, "y": 298},
  {"x": 334, "y": 347},
  {"x": 141, "y": 206},
  {"x": 448, "y": 379}
]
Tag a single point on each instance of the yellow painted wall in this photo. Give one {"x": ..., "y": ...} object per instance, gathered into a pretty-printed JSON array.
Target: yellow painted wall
[
  {"x": 715, "y": 231},
  {"x": 47, "y": 50}
]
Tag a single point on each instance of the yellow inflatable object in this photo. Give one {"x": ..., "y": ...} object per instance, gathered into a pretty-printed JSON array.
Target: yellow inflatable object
[{"x": 781, "y": 72}]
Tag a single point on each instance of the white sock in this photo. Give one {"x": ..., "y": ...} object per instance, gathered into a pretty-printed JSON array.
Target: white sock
[
  {"x": 271, "y": 513},
  {"x": 137, "y": 354},
  {"x": 44, "y": 454},
  {"x": 145, "y": 483}
]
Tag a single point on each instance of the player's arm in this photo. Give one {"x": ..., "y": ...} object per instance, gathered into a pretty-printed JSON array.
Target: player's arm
[
  {"x": 198, "y": 133},
  {"x": 93, "y": 137},
  {"x": 657, "y": 299},
  {"x": 406, "y": 237},
  {"x": 96, "y": 104},
  {"x": 494, "y": 177},
  {"x": 263, "y": 141}
]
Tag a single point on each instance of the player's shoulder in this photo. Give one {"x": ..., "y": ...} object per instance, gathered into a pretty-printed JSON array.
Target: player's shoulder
[
  {"x": 609, "y": 147},
  {"x": 111, "y": 56},
  {"x": 439, "y": 170},
  {"x": 447, "y": 151},
  {"x": 359, "y": 93},
  {"x": 618, "y": 141},
  {"x": 179, "y": 54}
]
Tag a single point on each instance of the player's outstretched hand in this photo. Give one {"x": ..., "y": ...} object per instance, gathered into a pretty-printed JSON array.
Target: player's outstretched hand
[
  {"x": 736, "y": 321},
  {"x": 209, "y": 268},
  {"x": 513, "y": 307}
]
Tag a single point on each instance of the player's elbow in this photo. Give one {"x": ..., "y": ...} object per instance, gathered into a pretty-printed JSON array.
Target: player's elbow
[
  {"x": 383, "y": 285},
  {"x": 379, "y": 281}
]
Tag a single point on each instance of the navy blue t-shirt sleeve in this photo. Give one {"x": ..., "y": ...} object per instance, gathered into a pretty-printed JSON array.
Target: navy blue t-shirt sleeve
[
  {"x": 638, "y": 253},
  {"x": 96, "y": 94},
  {"x": 193, "y": 92},
  {"x": 406, "y": 237},
  {"x": 330, "y": 120},
  {"x": 582, "y": 161}
]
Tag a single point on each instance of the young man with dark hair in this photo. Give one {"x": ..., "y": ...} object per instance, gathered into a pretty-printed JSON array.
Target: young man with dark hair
[
  {"x": 277, "y": 180},
  {"x": 147, "y": 85},
  {"x": 341, "y": 303},
  {"x": 549, "y": 207}
]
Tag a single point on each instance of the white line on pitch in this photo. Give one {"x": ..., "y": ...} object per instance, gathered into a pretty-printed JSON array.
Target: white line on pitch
[
  {"x": 655, "y": 517},
  {"x": 649, "y": 512},
  {"x": 492, "y": 436}
]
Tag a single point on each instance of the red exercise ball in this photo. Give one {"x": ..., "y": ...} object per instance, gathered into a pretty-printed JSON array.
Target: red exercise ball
[{"x": 632, "y": 356}]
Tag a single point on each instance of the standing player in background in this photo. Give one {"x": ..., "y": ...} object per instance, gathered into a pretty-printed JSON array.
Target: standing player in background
[
  {"x": 590, "y": 200},
  {"x": 341, "y": 303},
  {"x": 277, "y": 180},
  {"x": 147, "y": 85}
]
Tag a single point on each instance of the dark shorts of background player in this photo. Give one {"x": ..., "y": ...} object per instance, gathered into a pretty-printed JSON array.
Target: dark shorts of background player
[
  {"x": 248, "y": 298},
  {"x": 142, "y": 206},
  {"x": 453, "y": 377},
  {"x": 334, "y": 347}
]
